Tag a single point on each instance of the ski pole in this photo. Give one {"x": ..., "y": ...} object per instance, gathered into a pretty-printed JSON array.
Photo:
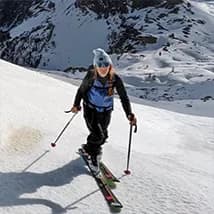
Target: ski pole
[
  {"x": 127, "y": 171},
  {"x": 67, "y": 124}
]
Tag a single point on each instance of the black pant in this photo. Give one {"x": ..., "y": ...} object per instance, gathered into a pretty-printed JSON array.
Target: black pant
[{"x": 97, "y": 123}]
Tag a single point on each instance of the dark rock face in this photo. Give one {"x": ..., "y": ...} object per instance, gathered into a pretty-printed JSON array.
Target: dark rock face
[
  {"x": 171, "y": 3},
  {"x": 4, "y": 36},
  {"x": 127, "y": 38},
  {"x": 103, "y": 8},
  {"x": 26, "y": 48},
  {"x": 139, "y": 4},
  {"x": 13, "y": 12},
  {"x": 124, "y": 36}
]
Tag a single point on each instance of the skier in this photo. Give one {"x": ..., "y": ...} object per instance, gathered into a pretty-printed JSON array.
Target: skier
[{"x": 97, "y": 90}]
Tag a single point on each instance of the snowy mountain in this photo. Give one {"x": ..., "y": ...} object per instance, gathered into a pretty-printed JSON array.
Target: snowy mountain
[
  {"x": 163, "y": 49},
  {"x": 58, "y": 34},
  {"x": 52, "y": 34},
  {"x": 171, "y": 160}
]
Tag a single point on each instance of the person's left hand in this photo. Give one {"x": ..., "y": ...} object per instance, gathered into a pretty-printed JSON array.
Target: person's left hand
[{"x": 132, "y": 119}]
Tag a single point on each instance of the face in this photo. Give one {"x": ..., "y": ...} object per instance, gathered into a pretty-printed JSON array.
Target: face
[{"x": 103, "y": 71}]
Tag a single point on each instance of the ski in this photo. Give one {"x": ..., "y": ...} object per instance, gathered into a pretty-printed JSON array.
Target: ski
[
  {"x": 107, "y": 173},
  {"x": 110, "y": 179},
  {"x": 109, "y": 196}
]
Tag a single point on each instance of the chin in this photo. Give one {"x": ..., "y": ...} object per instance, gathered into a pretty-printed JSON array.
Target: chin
[{"x": 102, "y": 75}]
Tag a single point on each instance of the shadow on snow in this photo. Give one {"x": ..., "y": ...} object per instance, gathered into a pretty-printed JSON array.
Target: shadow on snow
[{"x": 14, "y": 184}]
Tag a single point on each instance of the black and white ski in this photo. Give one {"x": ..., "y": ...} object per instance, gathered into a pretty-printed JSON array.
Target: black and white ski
[{"x": 109, "y": 196}]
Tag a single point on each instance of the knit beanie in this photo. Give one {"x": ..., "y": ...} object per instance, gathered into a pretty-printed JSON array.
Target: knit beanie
[{"x": 101, "y": 58}]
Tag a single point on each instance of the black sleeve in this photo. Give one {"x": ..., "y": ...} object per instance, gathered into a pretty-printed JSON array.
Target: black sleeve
[
  {"x": 123, "y": 95},
  {"x": 78, "y": 98},
  {"x": 82, "y": 89}
]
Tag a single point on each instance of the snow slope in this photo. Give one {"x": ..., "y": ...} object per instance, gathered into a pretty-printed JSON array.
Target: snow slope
[{"x": 172, "y": 154}]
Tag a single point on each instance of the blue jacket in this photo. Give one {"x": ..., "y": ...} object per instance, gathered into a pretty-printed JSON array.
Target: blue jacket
[
  {"x": 98, "y": 96},
  {"x": 87, "y": 92}
]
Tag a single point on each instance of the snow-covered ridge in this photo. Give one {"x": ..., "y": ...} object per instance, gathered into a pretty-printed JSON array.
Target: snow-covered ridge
[
  {"x": 51, "y": 34},
  {"x": 164, "y": 50}
]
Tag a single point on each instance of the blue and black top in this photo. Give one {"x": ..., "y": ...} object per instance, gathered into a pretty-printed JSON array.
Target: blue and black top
[{"x": 94, "y": 92}]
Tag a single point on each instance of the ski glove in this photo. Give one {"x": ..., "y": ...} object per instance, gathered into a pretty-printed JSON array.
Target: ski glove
[
  {"x": 132, "y": 119},
  {"x": 75, "y": 109}
]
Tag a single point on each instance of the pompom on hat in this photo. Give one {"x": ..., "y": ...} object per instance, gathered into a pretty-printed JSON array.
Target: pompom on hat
[{"x": 101, "y": 58}]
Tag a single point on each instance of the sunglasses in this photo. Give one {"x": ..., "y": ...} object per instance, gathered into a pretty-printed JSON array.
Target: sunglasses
[{"x": 102, "y": 64}]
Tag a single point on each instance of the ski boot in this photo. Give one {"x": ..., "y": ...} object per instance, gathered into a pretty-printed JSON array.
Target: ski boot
[
  {"x": 94, "y": 164},
  {"x": 85, "y": 149}
]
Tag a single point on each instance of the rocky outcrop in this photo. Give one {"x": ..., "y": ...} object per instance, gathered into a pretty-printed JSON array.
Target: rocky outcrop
[
  {"x": 127, "y": 39},
  {"x": 14, "y": 12},
  {"x": 4, "y": 36},
  {"x": 105, "y": 8},
  {"x": 26, "y": 48},
  {"x": 131, "y": 25}
]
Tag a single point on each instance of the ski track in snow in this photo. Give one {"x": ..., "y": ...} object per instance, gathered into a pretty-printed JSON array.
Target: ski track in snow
[{"x": 171, "y": 160}]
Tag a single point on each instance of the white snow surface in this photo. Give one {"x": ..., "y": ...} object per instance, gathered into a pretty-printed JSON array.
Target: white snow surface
[{"x": 171, "y": 160}]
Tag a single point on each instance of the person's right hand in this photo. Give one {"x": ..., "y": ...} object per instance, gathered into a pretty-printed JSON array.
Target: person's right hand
[{"x": 75, "y": 109}]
